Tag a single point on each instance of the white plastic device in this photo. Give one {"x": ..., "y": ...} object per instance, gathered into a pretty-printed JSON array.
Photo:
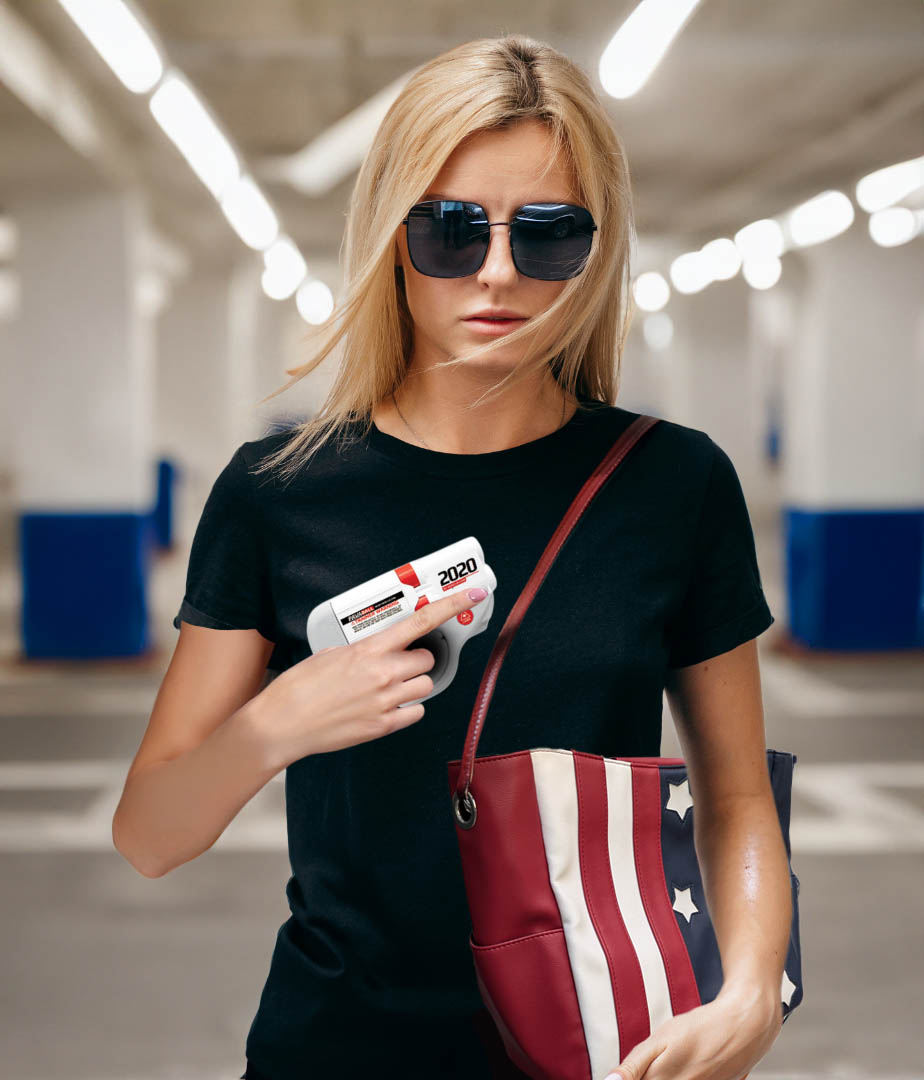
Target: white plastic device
[{"x": 395, "y": 594}]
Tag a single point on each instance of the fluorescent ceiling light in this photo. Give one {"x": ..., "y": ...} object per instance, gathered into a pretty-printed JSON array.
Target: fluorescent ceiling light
[
  {"x": 722, "y": 258},
  {"x": 285, "y": 269},
  {"x": 120, "y": 39},
  {"x": 690, "y": 272},
  {"x": 314, "y": 301},
  {"x": 895, "y": 225},
  {"x": 249, "y": 214},
  {"x": 762, "y": 273},
  {"x": 639, "y": 45},
  {"x": 885, "y": 187},
  {"x": 651, "y": 291},
  {"x": 189, "y": 125},
  {"x": 718, "y": 260},
  {"x": 821, "y": 218},
  {"x": 761, "y": 239}
]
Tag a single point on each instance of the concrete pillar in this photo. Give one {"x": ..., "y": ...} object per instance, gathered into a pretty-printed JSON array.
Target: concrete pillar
[
  {"x": 221, "y": 346},
  {"x": 772, "y": 332},
  {"x": 853, "y": 447},
  {"x": 81, "y": 382},
  {"x": 708, "y": 377}
]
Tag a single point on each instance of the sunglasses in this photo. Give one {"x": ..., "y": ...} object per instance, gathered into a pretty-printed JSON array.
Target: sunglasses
[{"x": 449, "y": 239}]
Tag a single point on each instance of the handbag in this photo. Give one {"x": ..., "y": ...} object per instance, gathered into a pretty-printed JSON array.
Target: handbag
[{"x": 589, "y": 924}]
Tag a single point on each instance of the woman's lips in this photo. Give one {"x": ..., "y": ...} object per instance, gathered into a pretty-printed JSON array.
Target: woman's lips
[{"x": 493, "y": 327}]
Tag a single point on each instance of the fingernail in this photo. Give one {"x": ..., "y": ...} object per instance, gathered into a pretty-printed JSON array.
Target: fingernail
[{"x": 477, "y": 594}]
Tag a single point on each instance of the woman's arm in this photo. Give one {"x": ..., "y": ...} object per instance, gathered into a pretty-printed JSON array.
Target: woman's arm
[
  {"x": 200, "y": 760},
  {"x": 718, "y": 713}
]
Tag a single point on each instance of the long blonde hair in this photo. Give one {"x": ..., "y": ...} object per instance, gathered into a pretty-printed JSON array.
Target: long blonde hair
[{"x": 488, "y": 83}]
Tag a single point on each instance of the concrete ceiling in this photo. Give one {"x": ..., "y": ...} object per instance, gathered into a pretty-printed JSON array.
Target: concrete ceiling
[{"x": 757, "y": 106}]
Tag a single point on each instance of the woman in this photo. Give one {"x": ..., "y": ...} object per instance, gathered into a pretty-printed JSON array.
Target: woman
[{"x": 487, "y": 255}]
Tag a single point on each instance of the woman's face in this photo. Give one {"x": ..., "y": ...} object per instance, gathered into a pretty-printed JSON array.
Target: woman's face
[{"x": 500, "y": 170}]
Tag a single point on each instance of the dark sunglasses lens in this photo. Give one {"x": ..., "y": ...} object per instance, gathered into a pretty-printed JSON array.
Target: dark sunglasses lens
[
  {"x": 552, "y": 241},
  {"x": 447, "y": 239}
]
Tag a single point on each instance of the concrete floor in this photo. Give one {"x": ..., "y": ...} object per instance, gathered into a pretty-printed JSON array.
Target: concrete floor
[{"x": 110, "y": 975}]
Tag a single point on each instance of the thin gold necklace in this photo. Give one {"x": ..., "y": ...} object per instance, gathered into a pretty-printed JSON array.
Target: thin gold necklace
[{"x": 426, "y": 444}]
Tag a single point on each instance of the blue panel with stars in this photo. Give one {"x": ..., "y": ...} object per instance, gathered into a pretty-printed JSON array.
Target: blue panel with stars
[{"x": 685, "y": 886}]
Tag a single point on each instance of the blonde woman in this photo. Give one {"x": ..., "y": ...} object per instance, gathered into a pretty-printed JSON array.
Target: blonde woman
[{"x": 478, "y": 345}]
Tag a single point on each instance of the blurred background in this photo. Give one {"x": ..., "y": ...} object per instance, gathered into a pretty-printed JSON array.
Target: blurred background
[{"x": 174, "y": 176}]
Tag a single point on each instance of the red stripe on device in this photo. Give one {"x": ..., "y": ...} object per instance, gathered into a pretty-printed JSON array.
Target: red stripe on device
[{"x": 408, "y": 575}]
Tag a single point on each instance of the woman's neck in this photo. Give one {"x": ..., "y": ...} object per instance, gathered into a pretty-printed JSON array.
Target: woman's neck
[{"x": 436, "y": 420}]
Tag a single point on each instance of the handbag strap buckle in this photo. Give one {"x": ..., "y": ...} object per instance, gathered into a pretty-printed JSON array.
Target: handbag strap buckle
[{"x": 467, "y": 819}]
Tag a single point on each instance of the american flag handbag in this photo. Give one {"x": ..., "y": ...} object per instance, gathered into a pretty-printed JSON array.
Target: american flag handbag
[{"x": 589, "y": 919}]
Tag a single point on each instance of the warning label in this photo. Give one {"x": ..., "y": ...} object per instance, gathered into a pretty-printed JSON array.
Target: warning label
[{"x": 361, "y": 621}]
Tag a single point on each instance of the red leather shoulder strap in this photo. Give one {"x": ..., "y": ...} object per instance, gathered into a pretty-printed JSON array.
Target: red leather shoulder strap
[{"x": 581, "y": 501}]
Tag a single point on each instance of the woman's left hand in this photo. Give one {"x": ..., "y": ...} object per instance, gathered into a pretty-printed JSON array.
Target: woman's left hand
[{"x": 721, "y": 1040}]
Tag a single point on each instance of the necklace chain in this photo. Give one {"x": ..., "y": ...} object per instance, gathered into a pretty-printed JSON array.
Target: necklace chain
[{"x": 426, "y": 444}]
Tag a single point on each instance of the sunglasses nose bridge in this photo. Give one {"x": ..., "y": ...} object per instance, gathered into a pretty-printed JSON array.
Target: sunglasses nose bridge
[{"x": 507, "y": 258}]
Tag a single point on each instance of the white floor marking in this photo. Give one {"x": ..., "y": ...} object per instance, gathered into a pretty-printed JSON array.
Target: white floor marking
[
  {"x": 857, "y": 813},
  {"x": 798, "y": 691},
  {"x": 84, "y": 699},
  {"x": 258, "y": 827},
  {"x": 856, "y": 808}
]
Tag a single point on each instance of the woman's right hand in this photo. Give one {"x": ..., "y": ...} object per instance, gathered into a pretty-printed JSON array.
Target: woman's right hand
[{"x": 350, "y": 694}]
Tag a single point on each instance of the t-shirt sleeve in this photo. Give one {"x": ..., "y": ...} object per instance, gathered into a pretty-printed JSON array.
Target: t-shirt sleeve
[
  {"x": 724, "y": 604},
  {"x": 227, "y": 582}
]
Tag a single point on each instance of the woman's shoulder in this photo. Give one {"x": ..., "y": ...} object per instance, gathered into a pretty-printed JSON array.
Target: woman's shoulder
[
  {"x": 255, "y": 450},
  {"x": 689, "y": 447},
  {"x": 263, "y": 470}
]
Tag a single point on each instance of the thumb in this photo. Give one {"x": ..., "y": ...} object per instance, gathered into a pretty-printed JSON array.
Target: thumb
[{"x": 635, "y": 1064}]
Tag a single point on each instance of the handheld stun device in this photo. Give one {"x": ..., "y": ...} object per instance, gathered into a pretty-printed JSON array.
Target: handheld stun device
[{"x": 385, "y": 600}]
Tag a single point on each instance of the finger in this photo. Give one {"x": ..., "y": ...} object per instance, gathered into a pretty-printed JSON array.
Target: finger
[
  {"x": 635, "y": 1064},
  {"x": 410, "y": 662},
  {"x": 405, "y": 716},
  {"x": 425, "y": 619},
  {"x": 409, "y": 690}
]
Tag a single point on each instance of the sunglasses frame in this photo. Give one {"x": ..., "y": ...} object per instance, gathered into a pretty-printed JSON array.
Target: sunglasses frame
[{"x": 490, "y": 224}]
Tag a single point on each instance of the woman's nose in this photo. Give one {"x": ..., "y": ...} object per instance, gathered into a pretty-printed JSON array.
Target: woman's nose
[{"x": 498, "y": 263}]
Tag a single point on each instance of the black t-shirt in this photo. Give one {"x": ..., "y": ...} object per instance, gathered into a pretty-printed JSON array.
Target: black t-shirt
[{"x": 372, "y": 969}]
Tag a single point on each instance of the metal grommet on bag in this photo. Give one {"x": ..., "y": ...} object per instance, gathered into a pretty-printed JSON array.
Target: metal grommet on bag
[{"x": 471, "y": 809}]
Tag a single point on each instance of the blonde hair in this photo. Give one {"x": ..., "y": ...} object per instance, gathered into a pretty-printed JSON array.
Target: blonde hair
[{"x": 488, "y": 83}]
